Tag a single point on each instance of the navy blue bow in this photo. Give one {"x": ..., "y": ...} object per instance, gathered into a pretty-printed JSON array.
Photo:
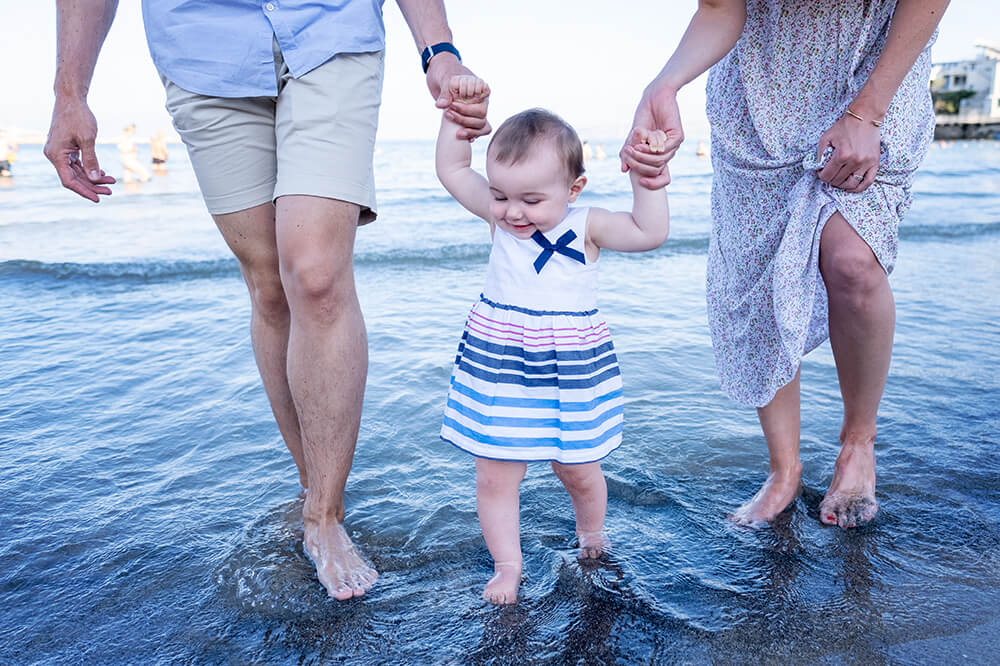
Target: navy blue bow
[{"x": 561, "y": 246}]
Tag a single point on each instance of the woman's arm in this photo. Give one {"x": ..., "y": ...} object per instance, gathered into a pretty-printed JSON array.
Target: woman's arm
[
  {"x": 713, "y": 31},
  {"x": 856, "y": 140}
]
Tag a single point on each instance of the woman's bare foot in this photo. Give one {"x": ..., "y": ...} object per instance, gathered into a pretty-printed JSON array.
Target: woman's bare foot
[
  {"x": 340, "y": 567},
  {"x": 779, "y": 490},
  {"x": 501, "y": 589},
  {"x": 592, "y": 544},
  {"x": 850, "y": 500}
]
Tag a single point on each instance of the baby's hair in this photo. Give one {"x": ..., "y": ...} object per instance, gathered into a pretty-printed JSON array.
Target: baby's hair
[{"x": 521, "y": 132}]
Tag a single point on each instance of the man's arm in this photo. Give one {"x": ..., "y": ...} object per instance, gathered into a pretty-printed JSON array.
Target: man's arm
[
  {"x": 429, "y": 25},
  {"x": 81, "y": 28}
]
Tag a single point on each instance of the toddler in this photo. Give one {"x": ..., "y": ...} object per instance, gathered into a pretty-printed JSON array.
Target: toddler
[{"x": 536, "y": 376}]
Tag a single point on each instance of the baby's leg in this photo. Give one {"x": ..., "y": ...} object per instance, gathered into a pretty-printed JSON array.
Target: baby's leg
[
  {"x": 498, "y": 484},
  {"x": 589, "y": 492}
]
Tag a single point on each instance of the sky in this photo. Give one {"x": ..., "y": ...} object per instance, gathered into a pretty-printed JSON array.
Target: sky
[{"x": 587, "y": 60}]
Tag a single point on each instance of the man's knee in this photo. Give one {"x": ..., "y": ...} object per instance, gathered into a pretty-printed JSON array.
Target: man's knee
[
  {"x": 316, "y": 287},
  {"x": 266, "y": 292}
]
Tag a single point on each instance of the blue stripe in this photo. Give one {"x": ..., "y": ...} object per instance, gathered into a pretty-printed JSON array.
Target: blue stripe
[
  {"x": 524, "y": 442},
  {"x": 521, "y": 380},
  {"x": 515, "y": 308},
  {"x": 533, "y": 403},
  {"x": 519, "y": 366},
  {"x": 520, "y": 422},
  {"x": 535, "y": 357}
]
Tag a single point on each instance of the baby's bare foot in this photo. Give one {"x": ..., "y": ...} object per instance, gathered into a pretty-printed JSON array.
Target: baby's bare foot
[
  {"x": 501, "y": 589},
  {"x": 850, "y": 500},
  {"x": 775, "y": 495},
  {"x": 340, "y": 567},
  {"x": 592, "y": 544}
]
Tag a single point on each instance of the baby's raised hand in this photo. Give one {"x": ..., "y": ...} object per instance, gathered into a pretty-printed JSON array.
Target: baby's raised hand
[
  {"x": 468, "y": 89},
  {"x": 654, "y": 141}
]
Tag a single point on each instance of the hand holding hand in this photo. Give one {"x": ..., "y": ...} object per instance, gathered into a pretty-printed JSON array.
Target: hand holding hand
[
  {"x": 854, "y": 162},
  {"x": 70, "y": 148},
  {"x": 656, "y": 111},
  {"x": 469, "y": 115}
]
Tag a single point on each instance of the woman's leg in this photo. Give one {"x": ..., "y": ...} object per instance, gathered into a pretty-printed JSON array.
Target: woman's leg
[
  {"x": 780, "y": 422},
  {"x": 588, "y": 490},
  {"x": 498, "y": 485},
  {"x": 862, "y": 321}
]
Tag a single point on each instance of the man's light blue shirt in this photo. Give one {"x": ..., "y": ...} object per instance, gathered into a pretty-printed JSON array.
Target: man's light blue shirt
[{"x": 223, "y": 48}]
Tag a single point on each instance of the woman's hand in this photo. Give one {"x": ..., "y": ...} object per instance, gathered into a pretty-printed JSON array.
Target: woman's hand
[
  {"x": 854, "y": 161},
  {"x": 656, "y": 111}
]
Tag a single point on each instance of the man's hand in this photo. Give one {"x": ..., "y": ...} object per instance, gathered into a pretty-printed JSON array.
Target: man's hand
[
  {"x": 656, "y": 111},
  {"x": 70, "y": 148},
  {"x": 470, "y": 116}
]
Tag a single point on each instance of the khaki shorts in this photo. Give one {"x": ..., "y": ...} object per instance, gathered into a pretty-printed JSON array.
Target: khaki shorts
[{"x": 317, "y": 137}]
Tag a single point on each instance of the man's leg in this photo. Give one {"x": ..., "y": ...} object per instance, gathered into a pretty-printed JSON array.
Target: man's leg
[
  {"x": 862, "y": 321},
  {"x": 250, "y": 235},
  {"x": 327, "y": 368}
]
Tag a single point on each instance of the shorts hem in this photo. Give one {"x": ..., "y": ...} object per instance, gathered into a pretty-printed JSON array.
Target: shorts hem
[
  {"x": 232, "y": 203},
  {"x": 329, "y": 189}
]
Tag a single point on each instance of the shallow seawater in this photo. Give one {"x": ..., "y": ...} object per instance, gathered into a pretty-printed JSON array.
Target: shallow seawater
[{"x": 148, "y": 506}]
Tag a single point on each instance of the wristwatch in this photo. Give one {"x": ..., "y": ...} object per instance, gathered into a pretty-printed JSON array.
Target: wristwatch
[{"x": 434, "y": 49}]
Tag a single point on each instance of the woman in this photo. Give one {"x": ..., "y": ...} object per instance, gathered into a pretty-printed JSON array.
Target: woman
[{"x": 820, "y": 115}]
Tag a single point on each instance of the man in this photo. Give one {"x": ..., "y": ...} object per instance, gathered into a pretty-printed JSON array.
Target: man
[{"x": 277, "y": 103}]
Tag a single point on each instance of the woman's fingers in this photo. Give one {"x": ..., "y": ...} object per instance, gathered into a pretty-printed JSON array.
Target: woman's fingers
[{"x": 867, "y": 178}]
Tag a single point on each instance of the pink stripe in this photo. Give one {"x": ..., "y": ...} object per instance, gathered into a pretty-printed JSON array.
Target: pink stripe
[
  {"x": 525, "y": 328},
  {"x": 602, "y": 337},
  {"x": 484, "y": 330},
  {"x": 594, "y": 330}
]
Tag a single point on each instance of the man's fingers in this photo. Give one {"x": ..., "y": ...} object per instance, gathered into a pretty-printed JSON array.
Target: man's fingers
[
  {"x": 90, "y": 165},
  {"x": 477, "y": 109},
  {"x": 473, "y": 122},
  {"x": 469, "y": 133}
]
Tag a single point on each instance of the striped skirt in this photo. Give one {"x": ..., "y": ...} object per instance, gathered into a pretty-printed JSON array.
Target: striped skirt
[{"x": 534, "y": 385}]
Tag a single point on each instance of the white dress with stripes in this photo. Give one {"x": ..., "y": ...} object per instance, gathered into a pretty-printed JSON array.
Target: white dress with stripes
[{"x": 536, "y": 376}]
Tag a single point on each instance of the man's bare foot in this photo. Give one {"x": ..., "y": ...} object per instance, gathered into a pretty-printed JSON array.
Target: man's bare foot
[
  {"x": 778, "y": 491},
  {"x": 850, "y": 500},
  {"x": 501, "y": 589},
  {"x": 592, "y": 544},
  {"x": 340, "y": 567}
]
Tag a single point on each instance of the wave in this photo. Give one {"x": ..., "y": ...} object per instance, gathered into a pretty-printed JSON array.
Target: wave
[{"x": 456, "y": 256}]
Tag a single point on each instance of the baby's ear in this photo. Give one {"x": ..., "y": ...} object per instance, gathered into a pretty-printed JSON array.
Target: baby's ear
[{"x": 576, "y": 187}]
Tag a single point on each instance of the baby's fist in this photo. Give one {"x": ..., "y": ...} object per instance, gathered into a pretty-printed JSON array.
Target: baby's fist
[
  {"x": 655, "y": 141},
  {"x": 468, "y": 89}
]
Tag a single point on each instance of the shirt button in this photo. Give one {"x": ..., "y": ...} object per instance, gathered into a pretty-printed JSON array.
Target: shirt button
[{"x": 269, "y": 6}]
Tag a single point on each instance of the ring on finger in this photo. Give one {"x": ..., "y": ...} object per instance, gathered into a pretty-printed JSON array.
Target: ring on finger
[{"x": 857, "y": 177}]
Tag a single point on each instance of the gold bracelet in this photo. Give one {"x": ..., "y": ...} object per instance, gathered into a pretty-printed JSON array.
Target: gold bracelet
[{"x": 876, "y": 123}]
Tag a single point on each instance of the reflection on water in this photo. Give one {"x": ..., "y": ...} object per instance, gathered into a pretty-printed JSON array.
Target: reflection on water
[{"x": 149, "y": 509}]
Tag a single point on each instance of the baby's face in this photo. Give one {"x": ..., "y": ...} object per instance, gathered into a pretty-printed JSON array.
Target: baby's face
[{"x": 532, "y": 194}]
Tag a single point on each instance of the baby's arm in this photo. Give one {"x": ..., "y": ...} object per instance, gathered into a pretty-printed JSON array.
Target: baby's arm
[
  {"x": 454, "y": 155},
  {"x": 647, "y": 226}
]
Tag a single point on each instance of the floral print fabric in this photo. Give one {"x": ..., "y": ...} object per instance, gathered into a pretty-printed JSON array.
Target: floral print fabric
[{"x": 795, "y": 69}]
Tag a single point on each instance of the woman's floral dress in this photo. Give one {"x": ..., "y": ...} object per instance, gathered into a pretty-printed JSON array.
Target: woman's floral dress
[{"x": 795, "y": 69}]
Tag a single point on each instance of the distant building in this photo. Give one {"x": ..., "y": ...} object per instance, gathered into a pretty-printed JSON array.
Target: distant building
[{"x": 967, "y": 95}]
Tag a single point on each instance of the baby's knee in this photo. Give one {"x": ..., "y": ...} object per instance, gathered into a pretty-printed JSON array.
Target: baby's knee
[{"x": 578, "y": 477}]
